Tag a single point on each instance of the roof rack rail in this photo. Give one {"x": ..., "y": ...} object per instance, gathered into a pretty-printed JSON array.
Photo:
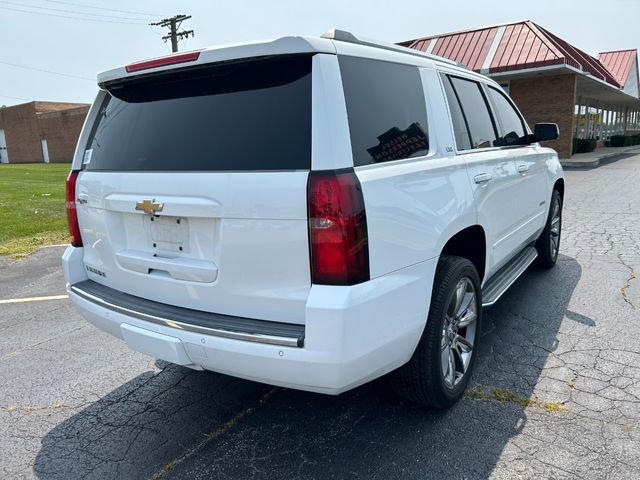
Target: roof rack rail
[{"x": 344, "y": 36}]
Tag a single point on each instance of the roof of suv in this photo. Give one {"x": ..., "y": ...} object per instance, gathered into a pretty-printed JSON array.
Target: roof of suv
[{"x": 279, "y": 46}]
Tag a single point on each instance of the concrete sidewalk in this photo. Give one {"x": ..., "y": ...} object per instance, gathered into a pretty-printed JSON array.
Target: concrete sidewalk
[{"x": 592, "y": 159}]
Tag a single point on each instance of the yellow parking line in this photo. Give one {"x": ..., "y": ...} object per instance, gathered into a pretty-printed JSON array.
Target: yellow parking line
[{"x": 34, "y": 299}]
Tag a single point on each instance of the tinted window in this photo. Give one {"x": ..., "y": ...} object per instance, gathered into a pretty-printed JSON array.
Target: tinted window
[
  {"x": 240, "y": 116},
  {"x": 386, "y": 110},
  {"x": 463, "y": 140},
  {"x": 476, "y": 112},
  {"x": 512, "y": 126}
]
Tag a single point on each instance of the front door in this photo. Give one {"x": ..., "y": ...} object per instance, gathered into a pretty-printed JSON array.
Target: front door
[
  {"x": 4, "y": 156},
  {"x": 45, "y": 150},
  {"x": 530, "y": 166}
]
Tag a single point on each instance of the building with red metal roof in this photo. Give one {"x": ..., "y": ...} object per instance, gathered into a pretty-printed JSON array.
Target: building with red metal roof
[
  {"x": 623, "y": 65},
  {"x": 549, "y": 78}
]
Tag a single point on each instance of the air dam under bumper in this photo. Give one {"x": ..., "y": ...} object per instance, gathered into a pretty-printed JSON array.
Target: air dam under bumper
[{"x": 351, "y": 334}]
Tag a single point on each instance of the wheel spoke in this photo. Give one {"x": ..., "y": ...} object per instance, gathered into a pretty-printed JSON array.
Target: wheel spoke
[
  {"x": 464, "y": 306},
  {"x": 444, "y": 359},
  {"x": 461, "y": 289},
  {"x": 468, "y": 318},
  {"x": 463, "y": 342},
  {"x": 451, "y": 374},
  {"x": 444, "y": 343}
]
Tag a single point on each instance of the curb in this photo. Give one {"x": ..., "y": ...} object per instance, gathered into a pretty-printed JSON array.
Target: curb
[
  {"x": 593, "y": 163},
  {"x": 596, "y": 162}
]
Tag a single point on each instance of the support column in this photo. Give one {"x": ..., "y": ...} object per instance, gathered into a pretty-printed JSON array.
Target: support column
[
  {"x": 579, "y": 105},
  {"x": 625, "y": 125},
  {"x": 587, "y": 123},
  {"x": 599, "y": 126}
]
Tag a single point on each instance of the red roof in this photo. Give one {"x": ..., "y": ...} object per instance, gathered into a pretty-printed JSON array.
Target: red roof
[
  {"x": 619, "y": 63},
  {"x": 468, "y": 48},
  {"x": 522, "y": 45}
]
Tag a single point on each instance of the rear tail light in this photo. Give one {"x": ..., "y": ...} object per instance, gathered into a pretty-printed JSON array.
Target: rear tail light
[
  {"x": 72, "y": 213},
  {"x": 337, "y": 228}
]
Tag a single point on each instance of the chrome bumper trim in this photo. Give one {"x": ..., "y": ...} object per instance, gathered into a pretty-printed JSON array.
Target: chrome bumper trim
[{"x": 294, "y": 341}]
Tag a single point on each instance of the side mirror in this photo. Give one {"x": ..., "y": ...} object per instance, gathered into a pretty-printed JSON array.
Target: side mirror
[{"x": 546, "y": 131}]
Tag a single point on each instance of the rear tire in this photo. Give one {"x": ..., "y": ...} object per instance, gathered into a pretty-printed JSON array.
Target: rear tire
[
  {"x": 439, "y": 370},
  {"x": 548, "y": 244}
]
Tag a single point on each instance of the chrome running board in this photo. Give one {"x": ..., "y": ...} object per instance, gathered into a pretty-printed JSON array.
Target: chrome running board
[{"x": 504, "y": 278}]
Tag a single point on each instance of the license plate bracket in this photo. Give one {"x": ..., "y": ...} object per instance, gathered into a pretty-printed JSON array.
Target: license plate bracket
[{"x": 169, "y": 233}]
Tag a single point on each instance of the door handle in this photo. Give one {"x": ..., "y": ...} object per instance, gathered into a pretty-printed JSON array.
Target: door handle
[
  {"x": 523, "y": 168},
  {"x": 482, "y": 178}
]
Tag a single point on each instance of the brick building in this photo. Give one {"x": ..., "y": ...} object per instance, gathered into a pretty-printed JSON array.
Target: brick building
[
  {"x": 549, "y": 79},
  {"x": 39, "y": 132}
]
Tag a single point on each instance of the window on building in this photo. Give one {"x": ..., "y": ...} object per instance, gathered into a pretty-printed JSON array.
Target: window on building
[
  {"x": 512, "y": 125},
  {"x": 476, "y": 113},
  {"x": 386, "y": 110}
]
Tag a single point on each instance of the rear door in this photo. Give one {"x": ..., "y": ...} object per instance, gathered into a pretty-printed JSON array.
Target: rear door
[
  {"x": 193, "y": 189},
  {"x": 492, "y": 171}
]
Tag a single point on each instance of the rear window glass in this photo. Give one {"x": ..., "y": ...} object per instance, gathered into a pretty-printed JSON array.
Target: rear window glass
[
  {"x": 460, "y": 130},
  {"x": 386, "y": 110},
  {"x": 476, "y": 113},
  {"x": 252, "y": 115}
]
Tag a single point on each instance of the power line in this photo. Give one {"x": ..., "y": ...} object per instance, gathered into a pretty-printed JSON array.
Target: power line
[
  {"x": 48, "y": 71},
  {"x": 14, "y": 98},
  {"x": 67, "y": 16},
  {"x": 74, "y": 12},
  {"x": 173, "y": 23},
  {"x": 106, "y": 9}
]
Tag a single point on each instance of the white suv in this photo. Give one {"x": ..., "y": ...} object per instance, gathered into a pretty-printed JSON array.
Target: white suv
[{"x": 307, "y": 212}]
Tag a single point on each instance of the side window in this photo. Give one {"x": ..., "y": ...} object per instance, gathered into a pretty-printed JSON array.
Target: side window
[
  {"x": 460, "y": 130},
  {"x": 386, "y": 110},
  {"x": 513, "y": 129},
  {"x": 476, "y": 112}
]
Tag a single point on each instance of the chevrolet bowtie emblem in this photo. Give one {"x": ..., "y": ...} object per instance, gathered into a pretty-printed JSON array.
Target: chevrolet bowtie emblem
[{"x": 147, "y": 206}]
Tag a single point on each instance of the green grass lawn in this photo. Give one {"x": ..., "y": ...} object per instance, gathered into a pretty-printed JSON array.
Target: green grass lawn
[{"x": 32, "y": 207}]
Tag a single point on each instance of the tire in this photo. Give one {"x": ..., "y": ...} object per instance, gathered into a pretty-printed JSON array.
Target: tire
[
  {"x": 548, "y": 244},
  {"x": 424, "y": 379}
]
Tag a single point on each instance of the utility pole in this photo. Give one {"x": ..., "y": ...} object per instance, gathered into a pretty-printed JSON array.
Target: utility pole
[{"x": 174, "y": 24}]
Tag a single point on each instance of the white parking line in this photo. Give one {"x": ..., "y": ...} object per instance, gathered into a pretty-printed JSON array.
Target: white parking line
[{"x": 34, "y": 299}]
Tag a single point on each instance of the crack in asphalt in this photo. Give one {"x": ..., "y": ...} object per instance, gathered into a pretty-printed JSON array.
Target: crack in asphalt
[
  {"x": 625, "y": 290},
  {"x": 210, "y": 437}
]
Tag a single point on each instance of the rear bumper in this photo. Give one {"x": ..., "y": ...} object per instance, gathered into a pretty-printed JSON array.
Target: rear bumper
[
  {"x": 205, "y": 323},
  {"x": 351, "y": 334}
]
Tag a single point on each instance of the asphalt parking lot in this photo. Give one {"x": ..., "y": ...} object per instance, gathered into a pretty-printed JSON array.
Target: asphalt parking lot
[{"x": 556, "y": 390}]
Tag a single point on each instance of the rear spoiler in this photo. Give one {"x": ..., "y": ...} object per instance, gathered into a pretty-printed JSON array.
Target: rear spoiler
[{"x": 224, "y": 53}]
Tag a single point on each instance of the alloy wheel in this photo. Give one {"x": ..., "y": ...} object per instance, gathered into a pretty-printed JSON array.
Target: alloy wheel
[
  {"x": 459, "y": 332},
  {"x": 554, "y": 237}
]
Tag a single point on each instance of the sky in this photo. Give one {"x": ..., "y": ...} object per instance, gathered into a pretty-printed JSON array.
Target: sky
[{"x": 101, "y": 35}]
